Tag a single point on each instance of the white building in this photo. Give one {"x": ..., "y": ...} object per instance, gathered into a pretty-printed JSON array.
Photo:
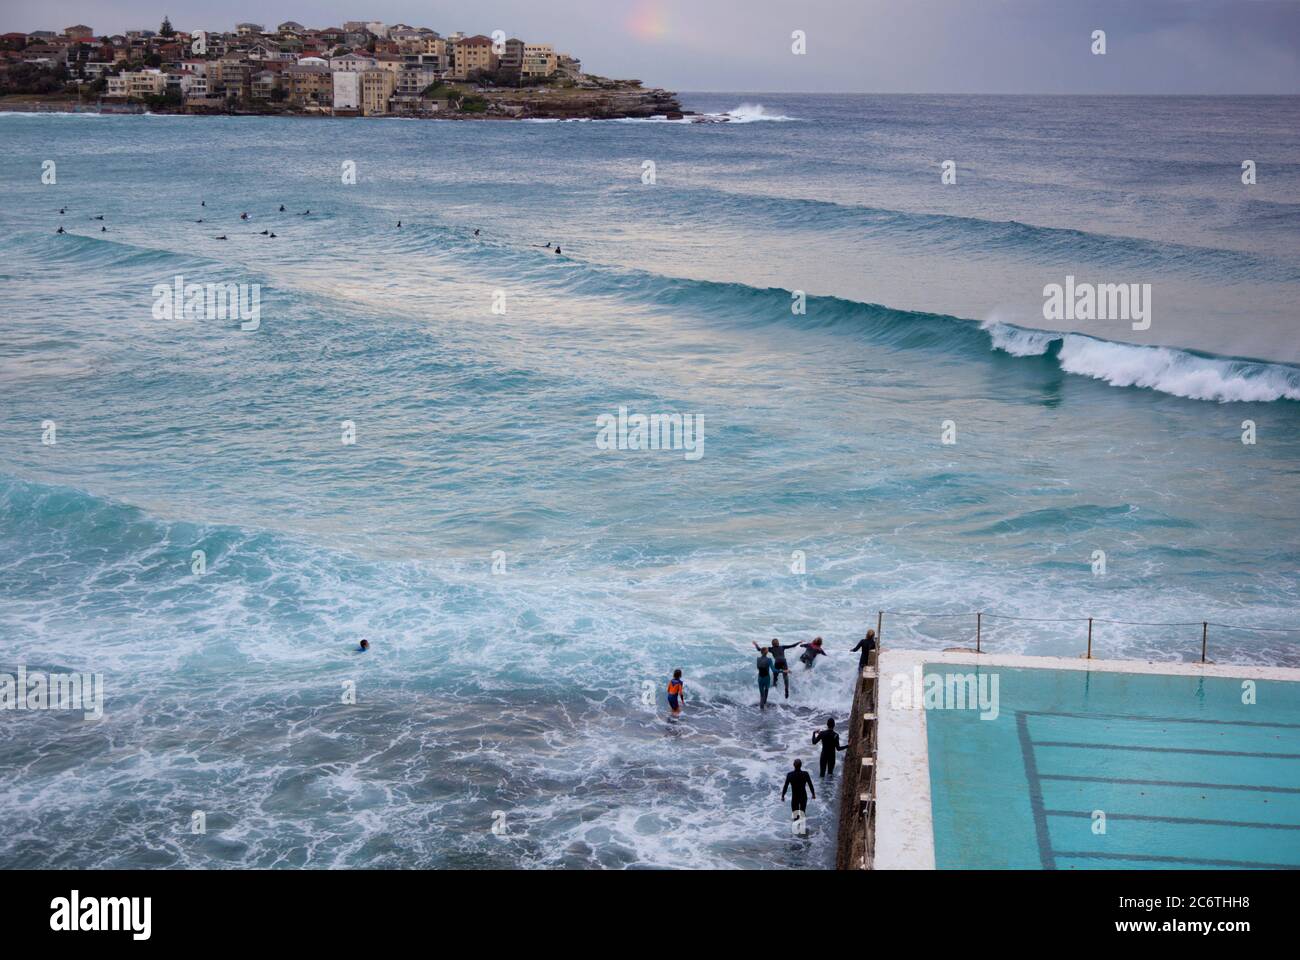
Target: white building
[
  {"x": 347, "y": 90},
  {"x": 351, "y": 63}
]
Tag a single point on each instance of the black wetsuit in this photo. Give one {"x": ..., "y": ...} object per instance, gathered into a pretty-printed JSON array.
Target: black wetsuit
[
  {"x": 830, "y": 741},
  {"x": 782, "y": 668},
  {"x": 798, "y": 781},
  {"x": 866, "y": 650},
  {"x": 810, "y": 654}
]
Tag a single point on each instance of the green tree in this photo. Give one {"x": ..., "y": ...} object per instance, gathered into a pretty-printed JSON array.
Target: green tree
[{"x": 166, "y": 29}]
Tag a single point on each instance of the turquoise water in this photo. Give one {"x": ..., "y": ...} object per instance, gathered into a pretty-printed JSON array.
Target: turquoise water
[
  {"x": 518, "y": 686},
  {"x": 1186, "y": 774}
]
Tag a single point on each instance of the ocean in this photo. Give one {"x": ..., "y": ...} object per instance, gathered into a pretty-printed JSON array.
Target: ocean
[{"x": 528, "y": 592}]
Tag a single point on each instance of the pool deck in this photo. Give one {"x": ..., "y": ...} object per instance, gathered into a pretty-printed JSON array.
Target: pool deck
[{"x": 904, "y": 831}]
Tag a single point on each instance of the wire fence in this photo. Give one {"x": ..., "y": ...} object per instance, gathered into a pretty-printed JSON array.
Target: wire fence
[{"x": 980, "y": 616}]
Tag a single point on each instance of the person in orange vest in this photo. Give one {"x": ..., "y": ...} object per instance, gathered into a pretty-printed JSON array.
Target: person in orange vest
[{"x": 676, "y": 695}]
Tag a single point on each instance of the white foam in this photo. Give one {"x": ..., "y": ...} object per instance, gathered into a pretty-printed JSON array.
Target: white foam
[
  {"x": 755, "y": 113},
  {"x": 1018, "y": 341},
  {"x": 1166, "y": 369}
]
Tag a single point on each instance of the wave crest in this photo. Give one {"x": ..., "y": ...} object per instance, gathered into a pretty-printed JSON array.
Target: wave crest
[{"x": 1166, "y": 369}]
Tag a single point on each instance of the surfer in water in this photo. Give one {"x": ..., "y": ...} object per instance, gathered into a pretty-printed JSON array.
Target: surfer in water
[
  {"x": 764, "y": 676},
  {"x": 676, "y": 693},
  {"x": 830, "y": 741},
  {"x": 364, "y": 646},
  {"x": 809, "y": 656},
  {"x": 779, "y": 666},
  {"x": 222, "y": 237},
  {"x": 60, "y": 230},
  {"x": 557, "y": 249},
  {"x": 282, "y": 208}
]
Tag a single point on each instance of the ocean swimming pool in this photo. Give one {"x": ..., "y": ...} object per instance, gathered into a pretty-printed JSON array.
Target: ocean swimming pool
[{"x": 1110, "y": 769}]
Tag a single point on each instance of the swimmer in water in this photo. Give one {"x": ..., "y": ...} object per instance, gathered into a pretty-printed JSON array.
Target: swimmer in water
[
  {"x": 676, "y": 693},
  {"x": 203, "y": 203},
  {"x": 103, "y": 229},
  {"x": 100, "y": 217},
  {"x": 63, "y": 210},
  {"x": 779, "y": 666},
  {"x": 60, "y": 230},
  {"x": 243, "y": 216},
  {"x": 476, "y": 233},
  {"x": 272, "y": 236},
  {"x": 282, "y": 208},
  {"x": 830, "y": 741},
  {"x": 764, "y": 677},
  {"x": 557, "y": 249},
  {"x": 809, "y": 656},
  {"x": 266, "y": 233},
  {"x": 399, "y": 224},
  {"x": 222, "y": 237},
  {"x": 797, "y": 781},
  {"x": 365, "y": 645}
]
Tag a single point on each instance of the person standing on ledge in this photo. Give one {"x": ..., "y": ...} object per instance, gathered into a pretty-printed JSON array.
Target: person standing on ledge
[
  {"x": 830, "y": 741},
  {"x": 866, "y": 645},
  {"x": 779, "y": 665},
  {"x": 764, "y": 676},
  {"x": 798, "y": 781}
]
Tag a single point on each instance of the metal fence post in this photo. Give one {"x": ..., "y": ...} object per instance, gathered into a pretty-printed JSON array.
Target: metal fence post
[
  {"x": 1090, "y": 638},
  {"x": 979, "y": 617},
  {"x": 1205, "y": 630}
]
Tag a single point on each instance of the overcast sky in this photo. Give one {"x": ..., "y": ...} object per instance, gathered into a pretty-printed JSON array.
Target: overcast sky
[{"x": 887, "y": 46}]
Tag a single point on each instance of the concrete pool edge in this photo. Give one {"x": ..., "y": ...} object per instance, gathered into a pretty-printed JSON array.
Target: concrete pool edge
[{"x": 904, "y": 828}]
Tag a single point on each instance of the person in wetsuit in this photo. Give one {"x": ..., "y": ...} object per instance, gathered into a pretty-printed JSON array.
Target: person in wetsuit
[
  {"x": 676, "y": 693},
  {"x": 809, "y": 656},
  {"x": 830, "y": 741},
  {"x": 798, "y": 781},
  {"x": 866, "y": 645},
  {"x": 780, "y": 667},
  {"x": 764, "y": 676}
]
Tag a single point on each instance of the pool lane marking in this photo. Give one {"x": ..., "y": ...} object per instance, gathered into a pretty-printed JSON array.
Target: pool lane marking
[
  {"x": 1121, "y": 746},
  {"x": 1197, "y": 821},
  {"x": 1035, "y": 791},
  {"x": 1153, "y": 858},
  {"x": 1138, "y": 716},
  {"x": 1171, "y": 783}
]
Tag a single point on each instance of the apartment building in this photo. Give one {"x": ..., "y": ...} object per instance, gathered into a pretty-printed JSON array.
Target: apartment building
[
  {"x": 539, "y": 60},
  {"x": 473, "y": 55},
  {"x": 376, "y": 87}
]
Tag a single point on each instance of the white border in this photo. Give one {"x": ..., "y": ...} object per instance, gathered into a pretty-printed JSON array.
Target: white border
[{"x": 904, "y": 824}]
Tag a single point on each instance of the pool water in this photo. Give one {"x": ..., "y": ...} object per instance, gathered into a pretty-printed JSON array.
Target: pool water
[{"x": 1082, "y": 770}]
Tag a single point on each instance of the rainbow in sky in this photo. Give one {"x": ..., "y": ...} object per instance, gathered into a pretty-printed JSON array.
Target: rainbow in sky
[{"x": 648, "y": 20}]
